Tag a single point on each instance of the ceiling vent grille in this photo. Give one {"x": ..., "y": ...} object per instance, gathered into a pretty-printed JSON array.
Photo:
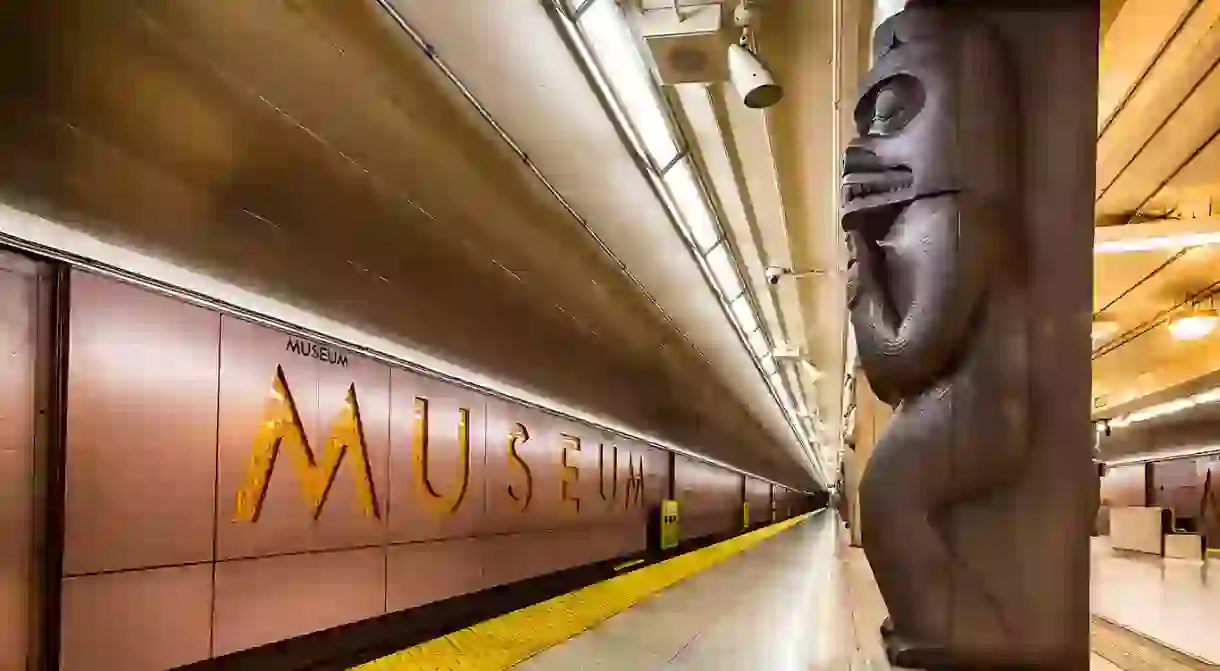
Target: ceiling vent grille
[{"x": 691, "y": 50}]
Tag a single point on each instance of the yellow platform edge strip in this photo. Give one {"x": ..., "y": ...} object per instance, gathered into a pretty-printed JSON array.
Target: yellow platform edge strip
[{"x": 508, "y": 640}]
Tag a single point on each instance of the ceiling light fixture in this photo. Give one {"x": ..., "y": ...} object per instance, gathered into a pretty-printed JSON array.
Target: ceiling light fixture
[
  {"x": 1167, "y": 408},
  {"x": 1103, "y": 329},
  {"x": 1157, "y": 234},
  {"x": 1156, "y": 243},
  {"x": 603, "y": 39},
  {"x": 1194, "y": 324}
]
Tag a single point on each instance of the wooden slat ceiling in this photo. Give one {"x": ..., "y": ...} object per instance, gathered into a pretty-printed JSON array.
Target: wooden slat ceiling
[{"x": 1158, "y": 157}]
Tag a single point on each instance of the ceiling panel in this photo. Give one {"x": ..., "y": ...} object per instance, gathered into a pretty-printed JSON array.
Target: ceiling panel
[
  {"x": 1186, "y": 60},
  {"x": 1157, "y": 157}
]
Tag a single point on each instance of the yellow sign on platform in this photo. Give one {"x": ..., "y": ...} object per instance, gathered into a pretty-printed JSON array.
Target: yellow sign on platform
[{"x": 669, "y": 524}]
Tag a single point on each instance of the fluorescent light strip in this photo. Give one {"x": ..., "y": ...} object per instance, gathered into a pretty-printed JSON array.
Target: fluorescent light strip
[
  {"x": 723, "y": 272},
  {"x": 1180, "y": 453},
  {"x": 692, "y": 204},
  {"x": 1167, "y": 408},
  {"x": 41, "y": 236},
  {"x": 610, "y": 35},
  {"x": 758, "y": 343},
  {"x": 1155, "y": 243},
  {"x": 621, "y": 112},
  {"x": 745, "y": 314}
]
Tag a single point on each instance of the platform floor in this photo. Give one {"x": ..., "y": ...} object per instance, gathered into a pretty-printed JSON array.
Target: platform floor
[
  {"x": 1174, "y": 601},
  {"x": 779, "y": 606}
]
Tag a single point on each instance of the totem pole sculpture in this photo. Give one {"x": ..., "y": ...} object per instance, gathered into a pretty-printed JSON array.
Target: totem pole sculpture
[{"x": 934, "y": 205}]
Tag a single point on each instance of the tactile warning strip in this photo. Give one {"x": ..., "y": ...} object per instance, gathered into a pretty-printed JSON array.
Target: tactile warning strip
[
  {"x": 1130, "y": 651},
  {"x": 502, "y": 642}
]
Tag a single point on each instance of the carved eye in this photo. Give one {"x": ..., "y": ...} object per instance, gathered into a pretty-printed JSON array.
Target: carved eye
[
  {"x": 886, "y": 108},
  {"x": 890, "y": 106}
]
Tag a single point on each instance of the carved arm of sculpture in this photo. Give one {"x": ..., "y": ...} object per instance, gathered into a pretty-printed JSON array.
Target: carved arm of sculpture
[{"x": 917, "y": 291}]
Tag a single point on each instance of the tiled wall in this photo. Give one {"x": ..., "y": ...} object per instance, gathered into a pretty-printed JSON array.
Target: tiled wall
[{"x": 165, "y": 405}]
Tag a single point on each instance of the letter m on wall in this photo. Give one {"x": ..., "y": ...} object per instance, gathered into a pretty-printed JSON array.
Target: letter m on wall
[{"x": 281, "y": 430}]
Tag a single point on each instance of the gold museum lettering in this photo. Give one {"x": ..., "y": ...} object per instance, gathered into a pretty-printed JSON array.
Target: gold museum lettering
[{"x": 281, "y": 430}]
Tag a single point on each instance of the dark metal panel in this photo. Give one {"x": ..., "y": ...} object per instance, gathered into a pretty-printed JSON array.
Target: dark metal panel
[
  {"x": 419, "y": 573},
  {"x": 145, "y": 620},
  {"x": 1125, "y": 486},
  {"x": 269, "y": 599},
  {"x": 758, "y": 495},
  {"x": 437, "y": 459},
  {"x": 314, "y": 382},
  {"x": 19, "y": 325},
  {"x": 141, "y": 419},
  {"x": 1176, "y": 485}
]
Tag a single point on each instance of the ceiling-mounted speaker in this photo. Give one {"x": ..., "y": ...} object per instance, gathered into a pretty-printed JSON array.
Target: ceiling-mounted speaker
[{"x": 752, "y": 80}]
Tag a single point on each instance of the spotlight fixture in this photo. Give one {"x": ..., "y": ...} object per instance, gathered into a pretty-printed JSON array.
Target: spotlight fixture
[{"x": 1194, "y": 324}]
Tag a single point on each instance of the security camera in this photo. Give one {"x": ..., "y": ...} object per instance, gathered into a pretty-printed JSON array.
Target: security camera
[{"x": 774, "y": 273}]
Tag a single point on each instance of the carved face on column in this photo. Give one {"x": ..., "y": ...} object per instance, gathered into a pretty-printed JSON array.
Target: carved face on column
[{"x": 933, "y": 119}]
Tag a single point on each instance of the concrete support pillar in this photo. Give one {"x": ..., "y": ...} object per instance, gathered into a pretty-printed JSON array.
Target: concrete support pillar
[{"x": 968, "y": 202}]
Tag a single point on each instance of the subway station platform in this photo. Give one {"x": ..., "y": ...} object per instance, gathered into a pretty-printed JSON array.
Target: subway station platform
[{"x": 806, "y": 600}]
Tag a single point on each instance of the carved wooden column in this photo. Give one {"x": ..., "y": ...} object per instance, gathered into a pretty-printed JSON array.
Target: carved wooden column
[{"x": 967, "y": 200}]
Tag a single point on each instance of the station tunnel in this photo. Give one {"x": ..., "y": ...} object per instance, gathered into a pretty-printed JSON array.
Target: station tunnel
[{"x": 404, "y": 334}]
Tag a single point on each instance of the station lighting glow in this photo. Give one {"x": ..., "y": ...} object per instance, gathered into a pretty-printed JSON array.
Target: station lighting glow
[
  {"x": 611, "y": 40},
  {"x": 692, "y": 204},
  {"x": 1149, "y": 244},
  {"x": 724, "y": 273},
  {"x": 1102, "y": 330},
  {"x": 606, "y": 42},
  {"x": 1194, "y": 324},
  {"x": 1167, "y": 408}
]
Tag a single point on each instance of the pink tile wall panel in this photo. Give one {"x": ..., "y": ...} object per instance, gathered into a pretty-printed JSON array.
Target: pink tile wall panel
[
  {"x": 249, "y": 358},
  {"x": 450, "y": 501},
  {"x": 141, "y": 441},
  {"x": 286, "y": 573},
  {"x": 264, "y": 600},
  {"x": 420, "y": 573},
  {"x": 145, "y": 620}
]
